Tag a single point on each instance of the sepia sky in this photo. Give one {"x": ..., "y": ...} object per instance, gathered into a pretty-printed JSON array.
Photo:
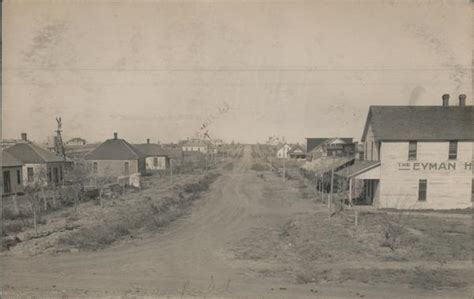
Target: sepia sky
[{"x": 159, "y": 69}]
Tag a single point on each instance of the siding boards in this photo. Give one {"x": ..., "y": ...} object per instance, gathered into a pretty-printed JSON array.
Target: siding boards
[{"x": 447, "y": 189}]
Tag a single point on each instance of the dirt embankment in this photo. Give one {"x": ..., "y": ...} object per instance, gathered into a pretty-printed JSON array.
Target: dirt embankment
[{"x": 92, "y": 227}]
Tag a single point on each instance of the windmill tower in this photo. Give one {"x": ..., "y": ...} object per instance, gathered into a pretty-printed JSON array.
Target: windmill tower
[{"x": 58, "y": 140}]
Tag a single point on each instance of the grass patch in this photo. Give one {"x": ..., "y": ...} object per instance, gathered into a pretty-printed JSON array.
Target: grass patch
[
  {"x": 148, "y": 214},
  {"x": 260, "y": 167}
]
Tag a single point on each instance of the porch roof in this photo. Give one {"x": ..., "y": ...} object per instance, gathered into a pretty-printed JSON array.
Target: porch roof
[
  {"x": 359, "y": 167},
  {"x": 325, "y": 164}
]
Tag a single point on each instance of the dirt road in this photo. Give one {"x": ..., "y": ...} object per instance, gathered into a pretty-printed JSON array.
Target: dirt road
[{"x": 194, "y": 256}]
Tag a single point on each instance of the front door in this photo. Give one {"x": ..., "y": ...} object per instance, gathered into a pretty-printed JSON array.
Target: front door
[{"x": 7, "y": 187}]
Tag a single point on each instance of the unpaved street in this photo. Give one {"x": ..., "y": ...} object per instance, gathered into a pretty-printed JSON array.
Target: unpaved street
[{"x": 194, "y": 256}]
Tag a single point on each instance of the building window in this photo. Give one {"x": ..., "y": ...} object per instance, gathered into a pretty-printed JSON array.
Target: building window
[
  {"x": 56, "y": 175},
  {"x": 453, "y": 150},
  {"x": 472, "y": 190},
  {"x": 155, "y": 162},
  {"x": 422, "y": 188},
  {"x": 372, "y": 151},
  {"x": 95, "y": 167},
  {"x": 127, "y": 168},
  {"x": 365, "y": 151},
  {"x": 50, "y": 177},
  {"x": 412, "y": 150},
  {"x": 18, "y": 177},
  {"x": 61, "y": 173},
  {"x": 7, "y": 188},
  {"x": 30, "y": 174}
]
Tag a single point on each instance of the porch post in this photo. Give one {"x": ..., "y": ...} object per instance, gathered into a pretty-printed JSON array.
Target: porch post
[{"x": 350, "y": 191}]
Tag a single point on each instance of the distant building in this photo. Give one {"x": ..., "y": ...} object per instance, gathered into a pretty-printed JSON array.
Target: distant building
[
  {"x": 12, "y": 171},
  {"x": 116, "y": 157},
  {"x": 311, "y": 143},
  {"x": 297, "y": 152},
  {"x": 76, "y": 141},
  {"x": 195, "y": 145},
  {"x": 339, "y": 147},
  {"x": 283, "y": 152},
  {"x": 156, "y": 158},
  {"x": 38, "y": 163},
  {"x": 417, "y": 157}
]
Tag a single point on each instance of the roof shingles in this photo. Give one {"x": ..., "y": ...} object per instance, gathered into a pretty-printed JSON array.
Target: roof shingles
[
  {"x": 31, "y": 153},
  {"x": 115, "y": 149},
  {"x": 429, "y": 123}
]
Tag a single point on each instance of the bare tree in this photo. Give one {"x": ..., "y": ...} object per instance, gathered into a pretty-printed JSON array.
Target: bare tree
[{"x": 76, "y": 178}]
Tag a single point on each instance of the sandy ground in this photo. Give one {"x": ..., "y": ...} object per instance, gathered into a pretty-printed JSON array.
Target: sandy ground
[{"x": 196, "y": 256}]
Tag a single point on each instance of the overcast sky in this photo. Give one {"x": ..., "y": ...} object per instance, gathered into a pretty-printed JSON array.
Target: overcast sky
[{"x": 159, "y": 70}]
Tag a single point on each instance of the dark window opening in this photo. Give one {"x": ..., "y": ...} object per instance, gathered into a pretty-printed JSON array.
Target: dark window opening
[
  {"x": 18, "y": 177},
  {"x": 472, "y": 190},
  {"x": 412, "y": 147},
  {"x": 95, "y": 167},
  {"x": 422, "y": 189},
  {"x": 56, "y": 175},
  {"x": 453, "y": 150},
  {"x": 30, "y": 174},
  {"x": 7, "y": 188}
]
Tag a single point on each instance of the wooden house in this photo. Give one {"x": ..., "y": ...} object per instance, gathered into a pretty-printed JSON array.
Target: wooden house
[
  {"x": 116, "y": 157},
  {"x": 156, "y": 158},
  {"x": 283, "y": 152},
  {"x": 416, "y": 157},
  {"x": 338, "y": 147},
  {"x": 39, "y": 164},
  {"x": 195, "y": 145},
  {"x": 297, "y": 152}
]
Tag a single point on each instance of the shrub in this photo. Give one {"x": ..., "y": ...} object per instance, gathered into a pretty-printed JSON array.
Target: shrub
[{"x": 260, "y": 167}]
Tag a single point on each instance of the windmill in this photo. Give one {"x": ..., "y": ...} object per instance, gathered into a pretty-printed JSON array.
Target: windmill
[{"x": 58, "y": 140}]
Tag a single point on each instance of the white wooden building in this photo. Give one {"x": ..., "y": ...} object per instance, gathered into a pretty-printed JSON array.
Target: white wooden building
[
  {"x": 416, "y": 157},
  {"x": 283, "y": 152}
]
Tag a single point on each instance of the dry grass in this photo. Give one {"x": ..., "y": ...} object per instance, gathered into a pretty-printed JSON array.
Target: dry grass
[
  {"x": 150, "y": 214},
  {"x": 260, "y": 167}
]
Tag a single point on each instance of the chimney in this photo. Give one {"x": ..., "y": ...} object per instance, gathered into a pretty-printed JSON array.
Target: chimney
[
  {"x": 24, "y": 137},
  {"x": 462, "y": 100},
  {"x": 445, "y": 100},
  {"x": 115, "y": 135},
  {"x": 148, "y": 141}
]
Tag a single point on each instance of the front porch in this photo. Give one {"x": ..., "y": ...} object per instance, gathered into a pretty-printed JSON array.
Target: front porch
[{"x": 363, "y": 182}]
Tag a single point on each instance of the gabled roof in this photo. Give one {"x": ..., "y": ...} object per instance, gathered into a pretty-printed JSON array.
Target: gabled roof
[
  {"x": 28, "y": 152},
  {"x": 295, "y": 148},
  {"x": 347, "y": 140},
  {"x": 151, "y": 149},
  {"x": 8, "y": 160},
  {"x": 115, "y": 149},
  {"x": 311, "y": 143},
  {"x": 429, "y": 123}
]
